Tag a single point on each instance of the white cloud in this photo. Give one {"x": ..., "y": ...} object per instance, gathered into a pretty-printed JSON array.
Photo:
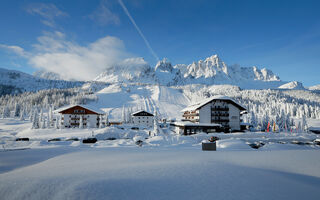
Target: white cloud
[
  {"x": 54, "y": 53},
  {"x": 47, "y": 11},
  {"x": 16, "y": 49},
  {"x": 103, "y": 14},
  {"x": 72, "y": 61}
]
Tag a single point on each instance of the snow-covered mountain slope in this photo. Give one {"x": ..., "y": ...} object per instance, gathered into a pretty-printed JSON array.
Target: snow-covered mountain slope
[
  {"x": 129, "y": 70},
  {"x": 166, "y": 101},
  {"x": 294, "y": 85},
  {"x": 210, "y": 71},
  {"x": 22, "y": 82},
  {"x": 213, "y": 70},
  {"x": 166, "y": 74},
  {"x": 47, "y": 75},
  {"x": 315, "y": 87}
]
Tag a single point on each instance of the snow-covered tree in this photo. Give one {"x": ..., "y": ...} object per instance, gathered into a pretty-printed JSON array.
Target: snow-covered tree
[
  {"x": 61, "y": 126},
  {"x": 81, "y": 122},
  {"x": 253, "y": 120},
  {"x": 123, "y": 115},
  {"x": 16, "y": 111},
  {"x": 155, "y": 124},
  {"x": 304, "y": 126},
  {"x": 35, "y": 118},
  {"x": 50, "y": 117},
  {"x": 48, "y": 125},
  {"x": 107, "y": 120},
  {"x": 22, "y": 115},
  {"x": 31, "y": 115},
  {"x": 41, "y": 115},
  {"x": 43, "y": 124},
  {"x": 57, "y": 125},
  {"x": 5, "y": 112},
  {"x": 101, "y": 125}
]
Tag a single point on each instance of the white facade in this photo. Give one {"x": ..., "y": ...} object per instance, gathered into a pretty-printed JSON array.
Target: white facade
[
  {"x": 73, "y": 120},
  {"x": 234, "y": 117},
  {"x": 143, "y": 118}
]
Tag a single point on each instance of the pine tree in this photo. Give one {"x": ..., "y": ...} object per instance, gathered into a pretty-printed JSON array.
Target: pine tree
[
  {"x": 35, "y": 122},
  {"x": 48, "y": 125},
  {"x": 304, "y": 126},
  {"x": 41, "y": 115},
  {"x": 31, "y": 115},
  {"x": 22, "y": 115},
  {"x": 5, "y": 112},
  {"x": 43, "y": 124},
  {"x": 107, "y": 120},
  {"x": 100, "y": 122},
  {"x": 50, "y": 116},
  {"x": 253, "y": 120},
  {"x": 155, "y": 124},
  {"x": 61, "y": 126},
  {"x": 57, "y": 124}
]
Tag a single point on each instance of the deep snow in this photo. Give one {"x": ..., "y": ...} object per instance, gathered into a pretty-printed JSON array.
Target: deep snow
[
  {"x": 166, "y": 166},
  {"x": 139, "y": 173}
]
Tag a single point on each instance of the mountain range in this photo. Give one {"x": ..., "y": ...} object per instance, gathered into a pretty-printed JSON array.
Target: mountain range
[{"x": 210, "y": 71}]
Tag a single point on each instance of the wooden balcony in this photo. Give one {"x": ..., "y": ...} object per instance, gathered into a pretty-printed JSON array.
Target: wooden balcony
[{"x": 190, "y": 114}]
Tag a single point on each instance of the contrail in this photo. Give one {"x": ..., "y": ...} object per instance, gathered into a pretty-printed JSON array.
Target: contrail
[{"x": 138, "y": 29}]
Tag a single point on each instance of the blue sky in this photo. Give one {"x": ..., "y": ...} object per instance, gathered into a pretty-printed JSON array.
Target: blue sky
[{"x": 283, "y": 36}]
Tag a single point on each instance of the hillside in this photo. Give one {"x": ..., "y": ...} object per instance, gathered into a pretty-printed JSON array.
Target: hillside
[{"x": 12, "y": 81}]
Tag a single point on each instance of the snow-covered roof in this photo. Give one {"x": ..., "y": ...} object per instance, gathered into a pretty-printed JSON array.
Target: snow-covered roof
[
  {"x": 93, "y": 109},
  {"x": 140, "y": 111},
  {"x": 206, "y": 101},
  {"x": 187, "y": 123}
]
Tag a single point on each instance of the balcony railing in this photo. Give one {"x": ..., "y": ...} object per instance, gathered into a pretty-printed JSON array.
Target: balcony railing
[
  {"x": 219, "y": 120},
  {"x": 220, "y": 114},
  {"x": 78, "y": 118},
  {"x": 190, "y": 114},
  {"x": 219, "y": 109}
]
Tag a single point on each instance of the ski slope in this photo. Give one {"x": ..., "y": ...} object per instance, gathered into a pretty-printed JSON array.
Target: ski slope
[{"x": 166, "y": 101}]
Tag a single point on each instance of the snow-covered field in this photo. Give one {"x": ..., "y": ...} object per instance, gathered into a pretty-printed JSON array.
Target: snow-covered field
[{"x": 164, "y": 167}]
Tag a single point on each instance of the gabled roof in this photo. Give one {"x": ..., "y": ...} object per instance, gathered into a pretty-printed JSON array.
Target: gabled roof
[
  {"x": 93, "y": 109},
  {"x": 206, "y": 101},
  {"x": 142, "y": 113}
]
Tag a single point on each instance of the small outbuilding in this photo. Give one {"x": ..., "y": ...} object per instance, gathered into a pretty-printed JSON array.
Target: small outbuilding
[{"x": 190, "y": 128}]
